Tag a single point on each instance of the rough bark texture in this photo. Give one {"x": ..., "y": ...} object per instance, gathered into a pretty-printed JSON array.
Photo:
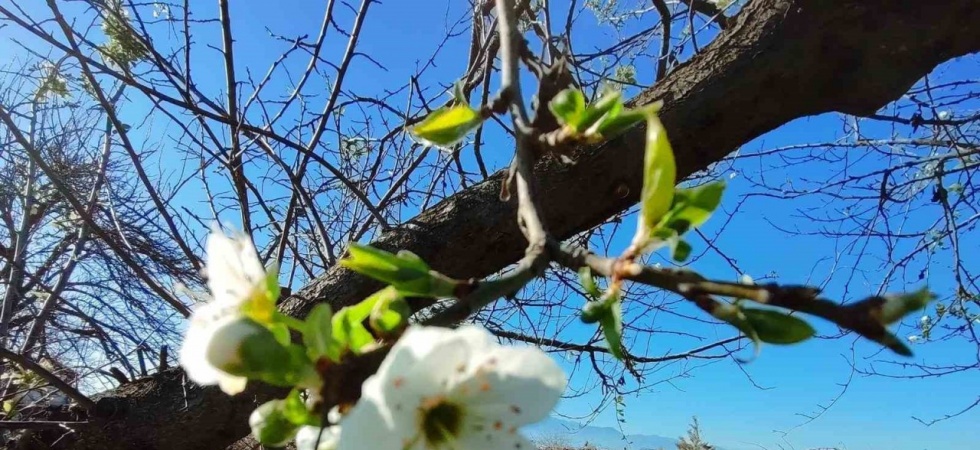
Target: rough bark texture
[{"x": 778, "y": 60}]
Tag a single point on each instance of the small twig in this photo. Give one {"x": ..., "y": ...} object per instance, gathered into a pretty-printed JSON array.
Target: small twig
[
  {"x": 859, "y": 316},
  {"x": 45, "y": 374},
  {"x": 35, "y": 424}
]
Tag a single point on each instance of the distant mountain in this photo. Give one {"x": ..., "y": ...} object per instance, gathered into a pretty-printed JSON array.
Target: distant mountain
[{"x": 607, "y": 438}]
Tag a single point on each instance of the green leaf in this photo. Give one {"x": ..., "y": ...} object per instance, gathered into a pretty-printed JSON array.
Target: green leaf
[
  {"x": 390, "y": 314},
  {"x": 692, "y": 207},
  {"x": 294, "y": 410},
  {"x": 272, "y": 288},
  {"x": 594, "y": 311},
  {"x": 349, "y": 331},
  {"x": 588, "y": 282},
  {"x": 318, "y": 332},
  {"x": 659, "y": 175},
  {"x": 680, "y": 250},
  {"x": 280, "y": 331},
  {"x": 736, "y": 317},
  {"x": 270, "y": 426},
  {"x": 897, "y": 306},
  {"x": 612, "y": 126},
  {"x": 568, "y": 106},
  {"x": 448, "y": 125},
  {"x": 607, "y": 108},
  {"x": 775, "y": 327},
  {"x": 406, "y": 271},
  {"x": 612, "y": 327}
]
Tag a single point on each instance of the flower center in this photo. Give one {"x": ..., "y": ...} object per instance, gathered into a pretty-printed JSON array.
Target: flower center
[{"x": 441, "y": 422}]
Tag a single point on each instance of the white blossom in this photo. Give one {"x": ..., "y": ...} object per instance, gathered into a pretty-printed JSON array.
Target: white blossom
[
  {"x": 307, "y": 438},
  {"x": 236, "y": 279},
  {"x": 914, "y": 338},
  {"x": 925, "y": 320},
  {"x": 441, "y": 389},
  {"x": 233, "y": 269}
]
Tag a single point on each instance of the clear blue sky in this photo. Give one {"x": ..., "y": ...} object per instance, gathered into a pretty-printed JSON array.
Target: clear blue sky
[{"x": 875, "y": 413}]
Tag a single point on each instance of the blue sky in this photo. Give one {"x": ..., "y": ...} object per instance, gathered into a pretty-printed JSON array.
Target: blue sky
[{"x": 874, "y": 413}]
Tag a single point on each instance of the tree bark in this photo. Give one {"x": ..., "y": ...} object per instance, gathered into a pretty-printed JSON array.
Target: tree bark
[{"x": 778, "y": 60}]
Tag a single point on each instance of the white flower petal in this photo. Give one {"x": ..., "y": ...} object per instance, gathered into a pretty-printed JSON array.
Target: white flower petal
[
  {"x": 193, "y": 351},
  {"x": 414, "y": 344},
  {"x": 206, "y": 321},
  {"x": 233, "y": 267},
  {"x": 517, "y": 385},
  {"x": 231, "y": 384},
  {"x": 306, "y": 438},
  {"x": 371, "y": 425},
  {"x": 498, "y": 389}
]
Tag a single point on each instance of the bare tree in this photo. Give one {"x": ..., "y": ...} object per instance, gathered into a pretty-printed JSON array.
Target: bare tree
[
  {"x": 307, "y": 169},
  {"x": 693, "y": 439}
]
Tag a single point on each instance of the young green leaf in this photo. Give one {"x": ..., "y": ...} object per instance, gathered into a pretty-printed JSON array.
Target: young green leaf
[
  {"x": 659, "y": 174},
  {"x": 295, "y": 411},
  {"x": 270, "y": 426},
  {"x": 680, "y": 250},
  {"x": 448, "y": 125},
  {"x": 280, "y": 331},
  {"x": 390, "y": 313},
  {"x": 594, "y": 311},
  {"x": 406, "y": 271},
  {"x": 612, "y": 125},
  {"x": 588, "y": 282},
  {"x": 692, "y": 207},
  {"x": 612, "y": 327},
  {"x": 736, "y": 317},
  {"x": 318, "y": 332},
  {"x": 775, "y": 327},
  {"x": 349, "y": 331},
  {"x": 568, "y": 107},
  {"x": 607, "y": 108}
]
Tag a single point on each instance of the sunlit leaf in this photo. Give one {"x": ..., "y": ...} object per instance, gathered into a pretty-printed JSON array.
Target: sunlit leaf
[
  {"x": 775, "y": 327},
  {"x": 270, "y": 426},
  {"x": 606, "y": 108},
  {"x": 659, "y": 174},
  {"x": 611, "y": 126},
  {"x": 588, "y": 282},
  {"x": 737, "y": 318},
  {"x": 568, "y": 106},
  {"x": 447, "y": 126},
  {"x": 612, "y": 327},
  {"x": 318, "y": 332},
  {"x": 295, "y": 411},
  {"x": 680, "y": 250},
  {"x": 389, "y": 314},
  {"x": 405, "y": 271},
  {"x": 692, "y": 207}
]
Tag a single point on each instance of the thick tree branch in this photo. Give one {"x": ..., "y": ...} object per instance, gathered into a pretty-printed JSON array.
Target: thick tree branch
[{"x": 777, "y": 61}]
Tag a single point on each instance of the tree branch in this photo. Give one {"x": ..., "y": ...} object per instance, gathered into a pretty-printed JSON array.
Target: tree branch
[{"x": 850, "y": 56}]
